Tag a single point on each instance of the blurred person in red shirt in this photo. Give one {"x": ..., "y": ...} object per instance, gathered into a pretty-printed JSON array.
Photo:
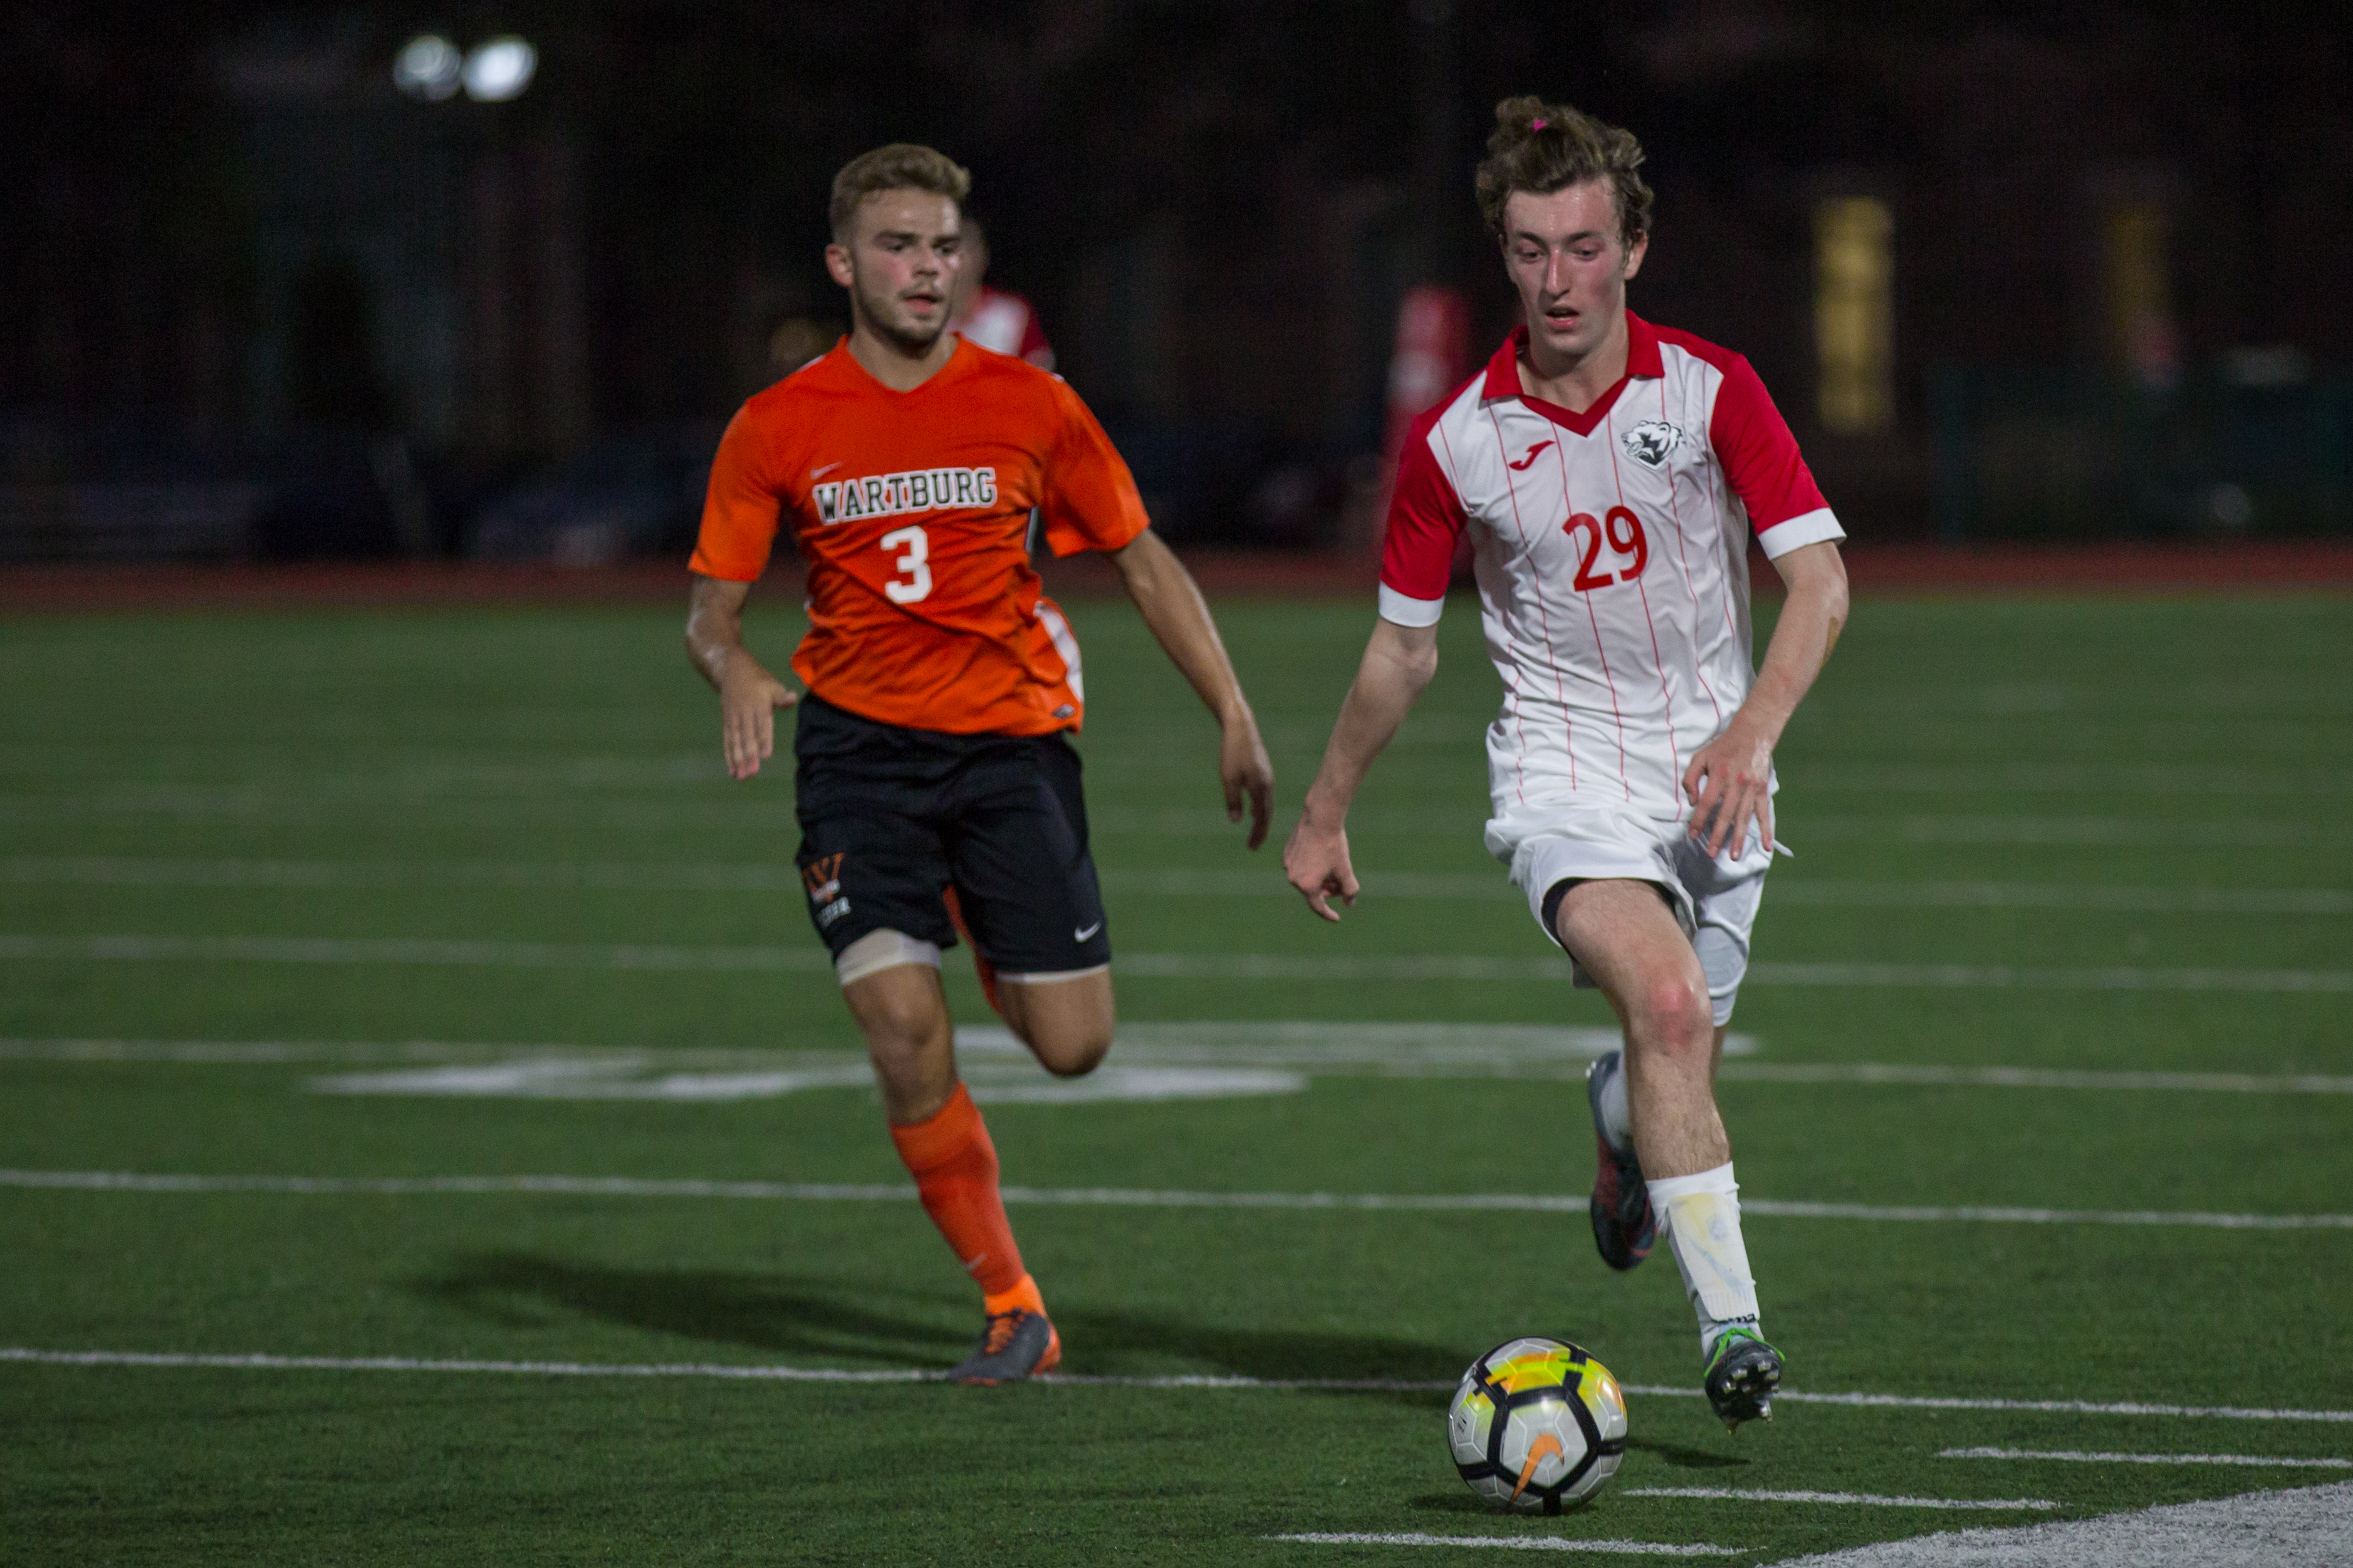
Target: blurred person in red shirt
[{"x": 996, "y": 319}]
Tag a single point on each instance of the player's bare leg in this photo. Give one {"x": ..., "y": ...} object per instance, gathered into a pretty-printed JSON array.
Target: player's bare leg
[
  {"x": 1066, "y": 1023},
  {"x": 1627, "y": 939},
  {"x": 1624, "y": 935},
  {"x": 941, "y": 1137},
  {"x": 903, "y": 1014}
]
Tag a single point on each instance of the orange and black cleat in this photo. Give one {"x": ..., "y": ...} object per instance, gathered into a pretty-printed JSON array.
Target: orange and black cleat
[{"x": 1016, "y": 1344}]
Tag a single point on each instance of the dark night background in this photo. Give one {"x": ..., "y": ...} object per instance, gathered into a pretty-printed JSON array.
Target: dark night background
[{"x": 254, "y": 299}]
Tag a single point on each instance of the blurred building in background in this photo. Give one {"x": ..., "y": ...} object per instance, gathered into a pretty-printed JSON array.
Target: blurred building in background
[{"x": 375, "y": 278}]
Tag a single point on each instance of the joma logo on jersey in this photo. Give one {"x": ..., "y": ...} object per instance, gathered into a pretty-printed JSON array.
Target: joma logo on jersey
[
  {"x": 1649, "y": 442},
  {"x": 894, "y": 494}
]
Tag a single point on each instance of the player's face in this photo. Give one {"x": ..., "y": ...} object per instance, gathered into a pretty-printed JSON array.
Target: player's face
[
  {"x": 900, "y": 264},
  {"x": 1565, "y": 257}
]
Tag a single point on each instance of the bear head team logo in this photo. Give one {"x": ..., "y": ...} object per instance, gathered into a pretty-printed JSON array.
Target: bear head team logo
[{"x": 1649, "y": 442}]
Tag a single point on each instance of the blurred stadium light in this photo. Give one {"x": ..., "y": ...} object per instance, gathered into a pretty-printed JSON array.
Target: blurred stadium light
[
  {"x": 2008, "y": 276},
  {"x": 427, "y": 67},
  {"x": 499, "y": 71}
]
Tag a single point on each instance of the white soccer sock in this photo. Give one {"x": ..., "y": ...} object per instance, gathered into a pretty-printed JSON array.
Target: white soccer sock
[
  {"x": 1701, "y": 1214},
  {"x": 1617, "y": 1114}
]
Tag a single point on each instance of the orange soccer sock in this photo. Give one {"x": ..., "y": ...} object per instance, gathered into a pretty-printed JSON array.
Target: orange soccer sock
[
  {"x": 954, "y": 1167},
  {"x": 980, "y": 966}
]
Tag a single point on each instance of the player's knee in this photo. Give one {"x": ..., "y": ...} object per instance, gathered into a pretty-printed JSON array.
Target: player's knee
[
  {"x": 1678, "y": 1017},
  {"x": 1072, "y": 1049},
  {"x": 901, "y": 1024}
]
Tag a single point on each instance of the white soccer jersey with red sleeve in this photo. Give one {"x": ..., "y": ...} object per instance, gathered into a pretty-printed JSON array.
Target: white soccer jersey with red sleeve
[{"x": 1611, "y": 550}]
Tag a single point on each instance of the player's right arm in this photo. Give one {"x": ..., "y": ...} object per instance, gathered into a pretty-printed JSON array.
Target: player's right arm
[
  {"x": 740, "y": 517},
  {"x": 1397, "y": 664},
  {"x": 1426, "y": 521},
  {"x": 748, "y": 695}
]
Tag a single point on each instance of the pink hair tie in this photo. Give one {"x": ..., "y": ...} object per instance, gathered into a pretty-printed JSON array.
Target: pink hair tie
[{"x": 1536, "y": 125}]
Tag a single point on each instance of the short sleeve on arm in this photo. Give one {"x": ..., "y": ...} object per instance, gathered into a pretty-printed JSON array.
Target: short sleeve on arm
[
  {"x": 1761, "y": 459},
  {"x": 1425, "y": 520},
  {"x": 739, "y": 510},
  {"x": 1090, "y": 500}
]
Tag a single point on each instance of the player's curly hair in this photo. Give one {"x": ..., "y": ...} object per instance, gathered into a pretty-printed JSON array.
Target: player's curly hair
[
  {"x": 900, "y": 166},
  {"x": 1540, "y": 148}
]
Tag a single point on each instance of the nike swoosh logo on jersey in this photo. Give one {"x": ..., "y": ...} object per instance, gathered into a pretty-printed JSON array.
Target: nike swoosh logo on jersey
[
  {"x": 1085, "y": 931},
  {"x": 820, "y": 473},
  {"x": 1521, "y": 466}
]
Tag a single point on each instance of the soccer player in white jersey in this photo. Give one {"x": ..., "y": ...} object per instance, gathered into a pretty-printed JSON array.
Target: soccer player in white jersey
[{"x": 1611, "y": 474}]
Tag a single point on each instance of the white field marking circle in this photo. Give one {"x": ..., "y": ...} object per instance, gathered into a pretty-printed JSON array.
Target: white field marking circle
[
  {"x": 990, "y": 1083},
  {"x": 2310, "y": 1527},
  {"x": 756, "y": 1371},
  {"x": 1860, "y": 1500},
  {"x": 1512, "y": 1543},
  {"x": 1405, "y": 968},
  {"x": 1107, "y": 1197},
  {"x": 1318, "y": 1049},
  {"x": 2069, "y": 1455},
  {"x": 1159, "y": 883}
]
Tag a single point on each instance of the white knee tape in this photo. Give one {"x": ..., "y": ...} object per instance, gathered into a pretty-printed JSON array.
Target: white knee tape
[{"x": 878, "y": 950}]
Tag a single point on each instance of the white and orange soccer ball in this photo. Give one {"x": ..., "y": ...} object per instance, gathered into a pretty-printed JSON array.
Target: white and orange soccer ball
[{"x": 1537, "y": 1425}]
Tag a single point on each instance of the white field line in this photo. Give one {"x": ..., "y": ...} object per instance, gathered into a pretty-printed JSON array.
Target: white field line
[
  {"x": 2033, "y": 1077},
  {"x": 413, "y": 951},
  {"x": 1317, "y": 1048},
  {"x": 1108, "y": 1197},
  {"x": 1161, "y": 882},
  {"x": 1511, "y": 1543},
  {"x": 1863, "y": 1500},
  {"x": 674, "y": 809},
  {"x": 1404, "y": 967},
  {"x": 769, "y": 1372},
  {"x": 2073, "y": 1457}
]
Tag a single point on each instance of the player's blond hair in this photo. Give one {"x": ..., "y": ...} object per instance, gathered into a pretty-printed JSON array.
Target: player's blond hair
[
  {"x": 1540, "y": 148},
  {"x": 900, "y": 166}
]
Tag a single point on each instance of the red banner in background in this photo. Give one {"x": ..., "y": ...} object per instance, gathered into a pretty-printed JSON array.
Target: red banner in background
[
  {"x": 1432, "y": 353},
  {"x": 1431, "y": 356}
]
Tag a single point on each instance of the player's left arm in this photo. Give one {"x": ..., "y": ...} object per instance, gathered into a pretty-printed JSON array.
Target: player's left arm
[
  {"x": 1730, "y": 779},
  {"x": 1171, "y": 604}
]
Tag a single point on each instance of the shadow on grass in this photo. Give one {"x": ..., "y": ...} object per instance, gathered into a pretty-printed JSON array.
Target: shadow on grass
[
  {"x": 1468, "y": 1501},
  {"x": 1684, "y": 1459},
  {"x": 763, "y": 1311},
  {"x": 1138, "y": 1343},
  {"x": 850, "y": 1321}
]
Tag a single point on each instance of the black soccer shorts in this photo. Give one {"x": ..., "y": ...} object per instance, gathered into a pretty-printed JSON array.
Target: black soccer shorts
[{"x": 890, "y": 817}]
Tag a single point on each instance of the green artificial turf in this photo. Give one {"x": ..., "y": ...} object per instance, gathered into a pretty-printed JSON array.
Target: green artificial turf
[{"x": 2134, "y": 809}]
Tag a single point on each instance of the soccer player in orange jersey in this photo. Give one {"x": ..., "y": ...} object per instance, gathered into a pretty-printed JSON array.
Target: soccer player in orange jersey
[{"x": 935, "y": 785}]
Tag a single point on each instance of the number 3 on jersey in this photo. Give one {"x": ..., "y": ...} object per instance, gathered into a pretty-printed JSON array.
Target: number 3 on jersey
[
  {"x": 914, "y": 579},
  {"x": 1624, "y": 531}
]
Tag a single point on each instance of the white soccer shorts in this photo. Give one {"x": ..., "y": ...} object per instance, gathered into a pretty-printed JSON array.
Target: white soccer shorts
[{"x": 1715, "y": 897}]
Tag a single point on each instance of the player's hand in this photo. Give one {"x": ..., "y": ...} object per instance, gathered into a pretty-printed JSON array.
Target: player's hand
[
  {"x": 1246, "y": 769},
  {"x": 1316, "y": 861},
  {"x": 748, "y": 700},
  {"x": 1730, "y": 784}
]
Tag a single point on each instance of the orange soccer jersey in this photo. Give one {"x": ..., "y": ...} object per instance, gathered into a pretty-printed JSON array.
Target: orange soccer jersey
[{"x": 911, "y": 512}]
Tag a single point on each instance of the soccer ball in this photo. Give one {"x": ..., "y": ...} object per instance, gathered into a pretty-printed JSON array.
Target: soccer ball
[{"x": 1537, "y": 1425}]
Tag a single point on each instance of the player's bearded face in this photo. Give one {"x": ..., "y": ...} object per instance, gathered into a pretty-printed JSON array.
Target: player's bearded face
[
  {"x": 1565, "y": 257},
  {"x": 901, "y": 266}
]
